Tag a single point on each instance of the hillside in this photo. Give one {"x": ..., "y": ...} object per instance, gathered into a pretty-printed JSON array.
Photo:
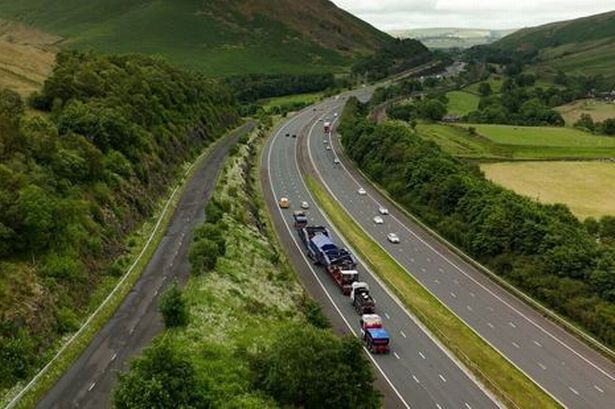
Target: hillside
[
  {"x": 581, "y": 46},
  {"x": 26, "y": 57},
  {"x": 219, "y": 37},
  {"x": 450, "y": 37}
]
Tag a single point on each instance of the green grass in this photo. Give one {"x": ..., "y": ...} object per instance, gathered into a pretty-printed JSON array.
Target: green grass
[
  {"x": 462, "y": 103},
  {"x": 141, "y": 246},
  {"x": 307, "y": 99},
  {"x": 507, "y": 382},
  {"x": 494, "y": 80},
  {"x": 508, "y": 142},
  {"x": 217, "y": 37},
  {"x": 587, "y": 188}
]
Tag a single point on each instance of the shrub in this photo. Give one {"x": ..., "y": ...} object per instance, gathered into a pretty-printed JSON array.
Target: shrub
[{"x": 173, "y": 307}]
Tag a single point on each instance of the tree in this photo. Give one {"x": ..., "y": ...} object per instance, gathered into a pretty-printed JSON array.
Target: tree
[
  {"x": 585, "y": 121},
  {"x": 203, "y": 255},
  {"x": 160, "y": 379},
  {"x": 173, "y": 307},
  {"x": 312, "y": 368},
  {"x": 432, "y": 109},
  {"x": 607, "y": 127},
  {"x": 485, "y": 89}
]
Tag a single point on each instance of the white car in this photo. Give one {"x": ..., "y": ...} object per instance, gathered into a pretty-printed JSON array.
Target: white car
[
  {"x": 325, "y": 141},
  {"x": 383, "y": 210},
  {"x": 335, "y": 114},
  {"x": 378, "y": 220},
  {"x": 305, "y": 205},
  {"x": 336, "y": 161},
  {"x": 361, "y": 191},
  {"x": 393, "y": 238},
  {"x": 328, "y": 148}
]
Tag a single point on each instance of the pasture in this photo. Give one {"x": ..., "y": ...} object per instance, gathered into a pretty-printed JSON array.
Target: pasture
[
  {"x": 598, "y": 110},
  {"x": 461, "y": 103}
]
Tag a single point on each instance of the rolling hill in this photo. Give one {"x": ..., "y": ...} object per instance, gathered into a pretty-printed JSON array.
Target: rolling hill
[
  {"x": 218, "y": 37},
  {"x": 581, "y": 46}
]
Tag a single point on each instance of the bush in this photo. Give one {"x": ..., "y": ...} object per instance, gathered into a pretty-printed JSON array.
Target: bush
[
  {"x": 173, "y": 307},
  {"x": 66, "y": 321},
  {"x": 161, "y": 378},
  {"x": 204, "y": 255}
]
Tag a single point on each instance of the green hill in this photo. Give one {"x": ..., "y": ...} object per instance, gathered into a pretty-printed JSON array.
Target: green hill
[
  {"x": 219, "y": 37},
  {"x": 581, "y": 46}
]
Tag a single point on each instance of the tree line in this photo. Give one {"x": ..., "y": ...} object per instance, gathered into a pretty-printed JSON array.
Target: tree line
[
  {"x": 252, "y": 87},
  {"x": 79, "y": 171},
  {"x": 542, "y": 249}
]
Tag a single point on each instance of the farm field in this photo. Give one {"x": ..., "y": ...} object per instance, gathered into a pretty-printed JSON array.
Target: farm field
[
  {"x": 462, "y": 103},
  {"x": 598, "y": 110},
  {"x": 587, "y": 188},
  {"x": 507, "y": 142}
]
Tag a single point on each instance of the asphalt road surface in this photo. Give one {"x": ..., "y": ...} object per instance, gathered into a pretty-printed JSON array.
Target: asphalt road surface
[
  {"x": 567, "y": 368},
  {"x": 89, "y": 382},
  {"x": 419, "y": 372}
]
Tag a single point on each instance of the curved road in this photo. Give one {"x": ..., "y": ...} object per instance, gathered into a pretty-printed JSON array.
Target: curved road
[
  {"x": 567, "y": 368},
  {"x": 419, "y": 371},
  {"x": 89, "y": 381}
]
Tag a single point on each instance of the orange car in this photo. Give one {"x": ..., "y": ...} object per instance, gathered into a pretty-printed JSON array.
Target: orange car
[{"x": 284, "y": 203}]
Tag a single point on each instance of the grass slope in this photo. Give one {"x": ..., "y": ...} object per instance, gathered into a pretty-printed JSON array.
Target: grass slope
[
  {"x": 217, "y": 37},
  {"x": 583, "y": 46},
  {"x": 506, "y": 142},
  {"x": 487, "y": 364},
  {"x": 462, "y": 103},
  {"x": 26, "y": 57},
  {"x": 598, "y": 110},
  {"x": 588, "y": 188}
]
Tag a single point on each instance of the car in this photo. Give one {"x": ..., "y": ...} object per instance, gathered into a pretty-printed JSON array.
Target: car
[
  {"x": 305, "y": 205},
  {"x": 324, "y": 141},
  {"x": 328, "y": 148},
  {"x": 361, "y": 191},
  {"x": 393, "y": 238},
  {"x": 287, "y": 134},
  {"x": 320, "y": 119},
  {"x": 284, "y": 203},
  {"x": 335, "y": 114},
  {"x": 294, "y": 135},
  {"x": 336, "y": 161},
  {"x": 383, "y": 210},
  {"x": 378, "y": 220}
]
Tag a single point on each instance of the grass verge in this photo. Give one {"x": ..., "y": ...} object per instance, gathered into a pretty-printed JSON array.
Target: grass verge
[
  {"x": 513, "y": 387},
  {"x": 68, "y": 353}
]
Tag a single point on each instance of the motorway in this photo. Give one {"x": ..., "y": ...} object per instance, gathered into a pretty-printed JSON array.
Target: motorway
[
  {"x": 573, "y": 373},
  {"x": 419, "y": 371},
  {"x": 90, "y": 380}
]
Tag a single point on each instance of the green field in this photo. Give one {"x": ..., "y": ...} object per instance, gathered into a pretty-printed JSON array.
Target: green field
[
  {"x": 494, "y": 80},
  {"x": 307, "y": 99},
  {"x": 461, "y": 103},
  {"x": 587, "y": 188},
  {"x": 506, "y": 142},
  {"x": 598, "y": 110}
]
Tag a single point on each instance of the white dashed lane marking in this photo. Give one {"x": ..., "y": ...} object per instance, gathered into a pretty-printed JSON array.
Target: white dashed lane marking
[
  {"x": 92, "y": 386},
  {"x": 515, "y": 345},
  {"x": 490, "y": 325},
  {"x": 421, "y": 354},
  {"x": 442, "y": 377}
]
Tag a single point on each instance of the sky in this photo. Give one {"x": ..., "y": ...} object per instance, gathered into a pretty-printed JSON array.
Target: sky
[{"x": 493, "y": 14}]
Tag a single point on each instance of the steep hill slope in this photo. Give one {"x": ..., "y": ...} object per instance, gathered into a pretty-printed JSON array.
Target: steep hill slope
[
  {"x": 218, "y": 37},
  {"x": 581, "y": 46}
]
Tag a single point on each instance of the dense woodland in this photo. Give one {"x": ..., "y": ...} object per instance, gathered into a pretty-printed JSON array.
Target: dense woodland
[
  {"x": 78, "y": 175},
  {"x": 543, "y": 249},
  {"x": 250, "y": 88}
]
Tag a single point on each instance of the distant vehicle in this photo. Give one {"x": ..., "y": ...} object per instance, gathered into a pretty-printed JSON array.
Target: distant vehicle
[
  {"x": 305, "y": 205},
  {"x": 361, "y": 299},
  {"x": 383, "y": 210},
  {"x": 287, "y": 134},
  {"x": 378, "y": 220},
  {"x": 324, "y": 141},
  {"x": 320, "y": 119},
  {"x": 284, "y": 203},
  {"x": 335, "y": 114},
  {"x": 301, "y": 219},
  {"x": 294, "y": 135},
  {"x": 393, "y": 238},
  {"x": 327, "y": 126},
  {"x": 361, "y": 191},
  {"x": 328, "y": 148},
  {"x": 336, "y": 161},
  {"x": 375, "y": 337}
]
